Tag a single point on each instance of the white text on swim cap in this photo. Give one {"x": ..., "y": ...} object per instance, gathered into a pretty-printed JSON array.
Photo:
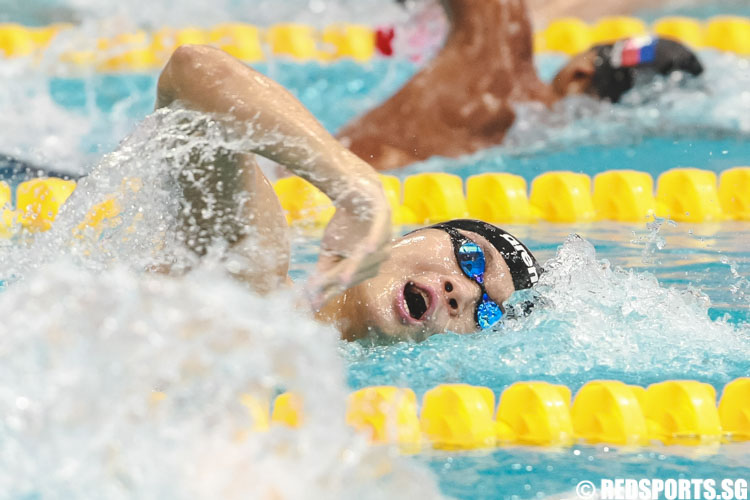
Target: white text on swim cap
[{"x": 531, "y": 268}]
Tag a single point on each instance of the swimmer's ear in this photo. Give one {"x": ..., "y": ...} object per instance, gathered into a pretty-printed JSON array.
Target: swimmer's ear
[{"x": 576, "y": 76}]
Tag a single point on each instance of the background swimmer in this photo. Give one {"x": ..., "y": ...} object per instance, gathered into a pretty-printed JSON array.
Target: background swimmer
[
  {"x": 607, "y": 71},
  {"x": 462, "y": 101},
  {"x": 448, "y": 277}
]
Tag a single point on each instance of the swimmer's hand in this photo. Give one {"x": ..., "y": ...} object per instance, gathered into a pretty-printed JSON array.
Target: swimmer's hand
[{"x": 355, "y": 243}]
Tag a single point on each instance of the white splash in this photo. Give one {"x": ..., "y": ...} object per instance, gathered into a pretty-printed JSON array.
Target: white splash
[
  {"x": 87, "y": 336},
  {"x": 35, "y": 128},
  {"x": 622, "y": 318},
  {"x": 81, "y": 354}
]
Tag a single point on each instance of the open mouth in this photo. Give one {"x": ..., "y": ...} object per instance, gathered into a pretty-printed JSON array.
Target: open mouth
[{"x": 417, "y": 301}]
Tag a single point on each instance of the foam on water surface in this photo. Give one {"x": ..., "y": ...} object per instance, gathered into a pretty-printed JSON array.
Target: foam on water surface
[
  {"x": 34, "y": 126},
  {"x": 83, "y": 352}
]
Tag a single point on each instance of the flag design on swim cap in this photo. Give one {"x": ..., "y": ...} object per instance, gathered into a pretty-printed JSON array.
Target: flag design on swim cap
[{"x": 634, "y": 51}]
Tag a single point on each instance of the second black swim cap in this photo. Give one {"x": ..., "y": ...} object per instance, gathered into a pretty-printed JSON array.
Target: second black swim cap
[
  {"x": 524, "y": 269},
  {"x": 617, "y": 65}
]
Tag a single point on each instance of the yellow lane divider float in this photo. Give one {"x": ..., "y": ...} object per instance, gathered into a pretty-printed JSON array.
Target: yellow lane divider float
[
  {"x": 460, "y": 416},
  {"x": 611, "y": 29},
  {"x": 687, "y": 30},
  {"x": 682, "y": 194},
  {"x": 19, "y": 41},
  {"x": 386, "y": 414},
  {"x": 568, "y": 35},
  {"x": 8, "y": 216},
  {"x": 572, "y": 36},
  {"x": 39, "y": 201},
  {"x": 500, "y": 196},
  {"x": 142, "y": 51},
  {"x": 729, "y": 33}
]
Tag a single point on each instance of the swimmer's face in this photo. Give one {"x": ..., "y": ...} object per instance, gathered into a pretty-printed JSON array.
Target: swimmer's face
[
  {"x": 576, "y": 76},
  {"x": 420, "y": 290}
]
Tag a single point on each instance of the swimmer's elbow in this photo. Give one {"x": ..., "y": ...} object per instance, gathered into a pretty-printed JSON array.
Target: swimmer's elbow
[
  {"x": 203, "y": 64},
  {"x": 189, "y": 57},
  {"x": 190, "y": 70},
  {"x": 178, "y": 68}
]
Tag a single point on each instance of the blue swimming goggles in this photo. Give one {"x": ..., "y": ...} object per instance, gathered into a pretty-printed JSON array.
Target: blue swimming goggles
[{"x": 471, "y": 260}]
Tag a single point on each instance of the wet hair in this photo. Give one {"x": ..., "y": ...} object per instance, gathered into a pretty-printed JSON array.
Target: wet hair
[
  {"x": 617, "y": 65},
  {"x": 524, "y": 268}
]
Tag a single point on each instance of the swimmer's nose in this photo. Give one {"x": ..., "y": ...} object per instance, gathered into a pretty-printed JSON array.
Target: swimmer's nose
[{"x": 458, "y": 297}]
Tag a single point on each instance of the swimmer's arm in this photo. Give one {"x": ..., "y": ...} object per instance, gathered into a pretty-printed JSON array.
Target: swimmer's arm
[{"x": 210, "y": 80}]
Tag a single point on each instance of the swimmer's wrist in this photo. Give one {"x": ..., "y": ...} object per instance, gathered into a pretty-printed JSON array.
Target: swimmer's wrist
[
  {"x": 361, "y": 195},
  {"x": 346, "y": 178}
]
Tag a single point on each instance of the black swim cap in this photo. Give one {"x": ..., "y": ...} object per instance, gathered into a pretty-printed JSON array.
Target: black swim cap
[
  {"x": 524, "y": 269},
  {"x": 616, "y": 65}
]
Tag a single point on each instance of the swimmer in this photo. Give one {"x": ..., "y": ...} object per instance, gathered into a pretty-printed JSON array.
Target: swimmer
[
  {"x": 462, "y": 101},
  {"x": 608, "y": 71},
  {"x": 453, "y": 276}
]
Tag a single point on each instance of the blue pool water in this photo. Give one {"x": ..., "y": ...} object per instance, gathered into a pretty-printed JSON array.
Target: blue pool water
[
  {"x": 627, "y": 302},
  {"x": 700, "y": 10},
  {"x": 522, "y": 473}
]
